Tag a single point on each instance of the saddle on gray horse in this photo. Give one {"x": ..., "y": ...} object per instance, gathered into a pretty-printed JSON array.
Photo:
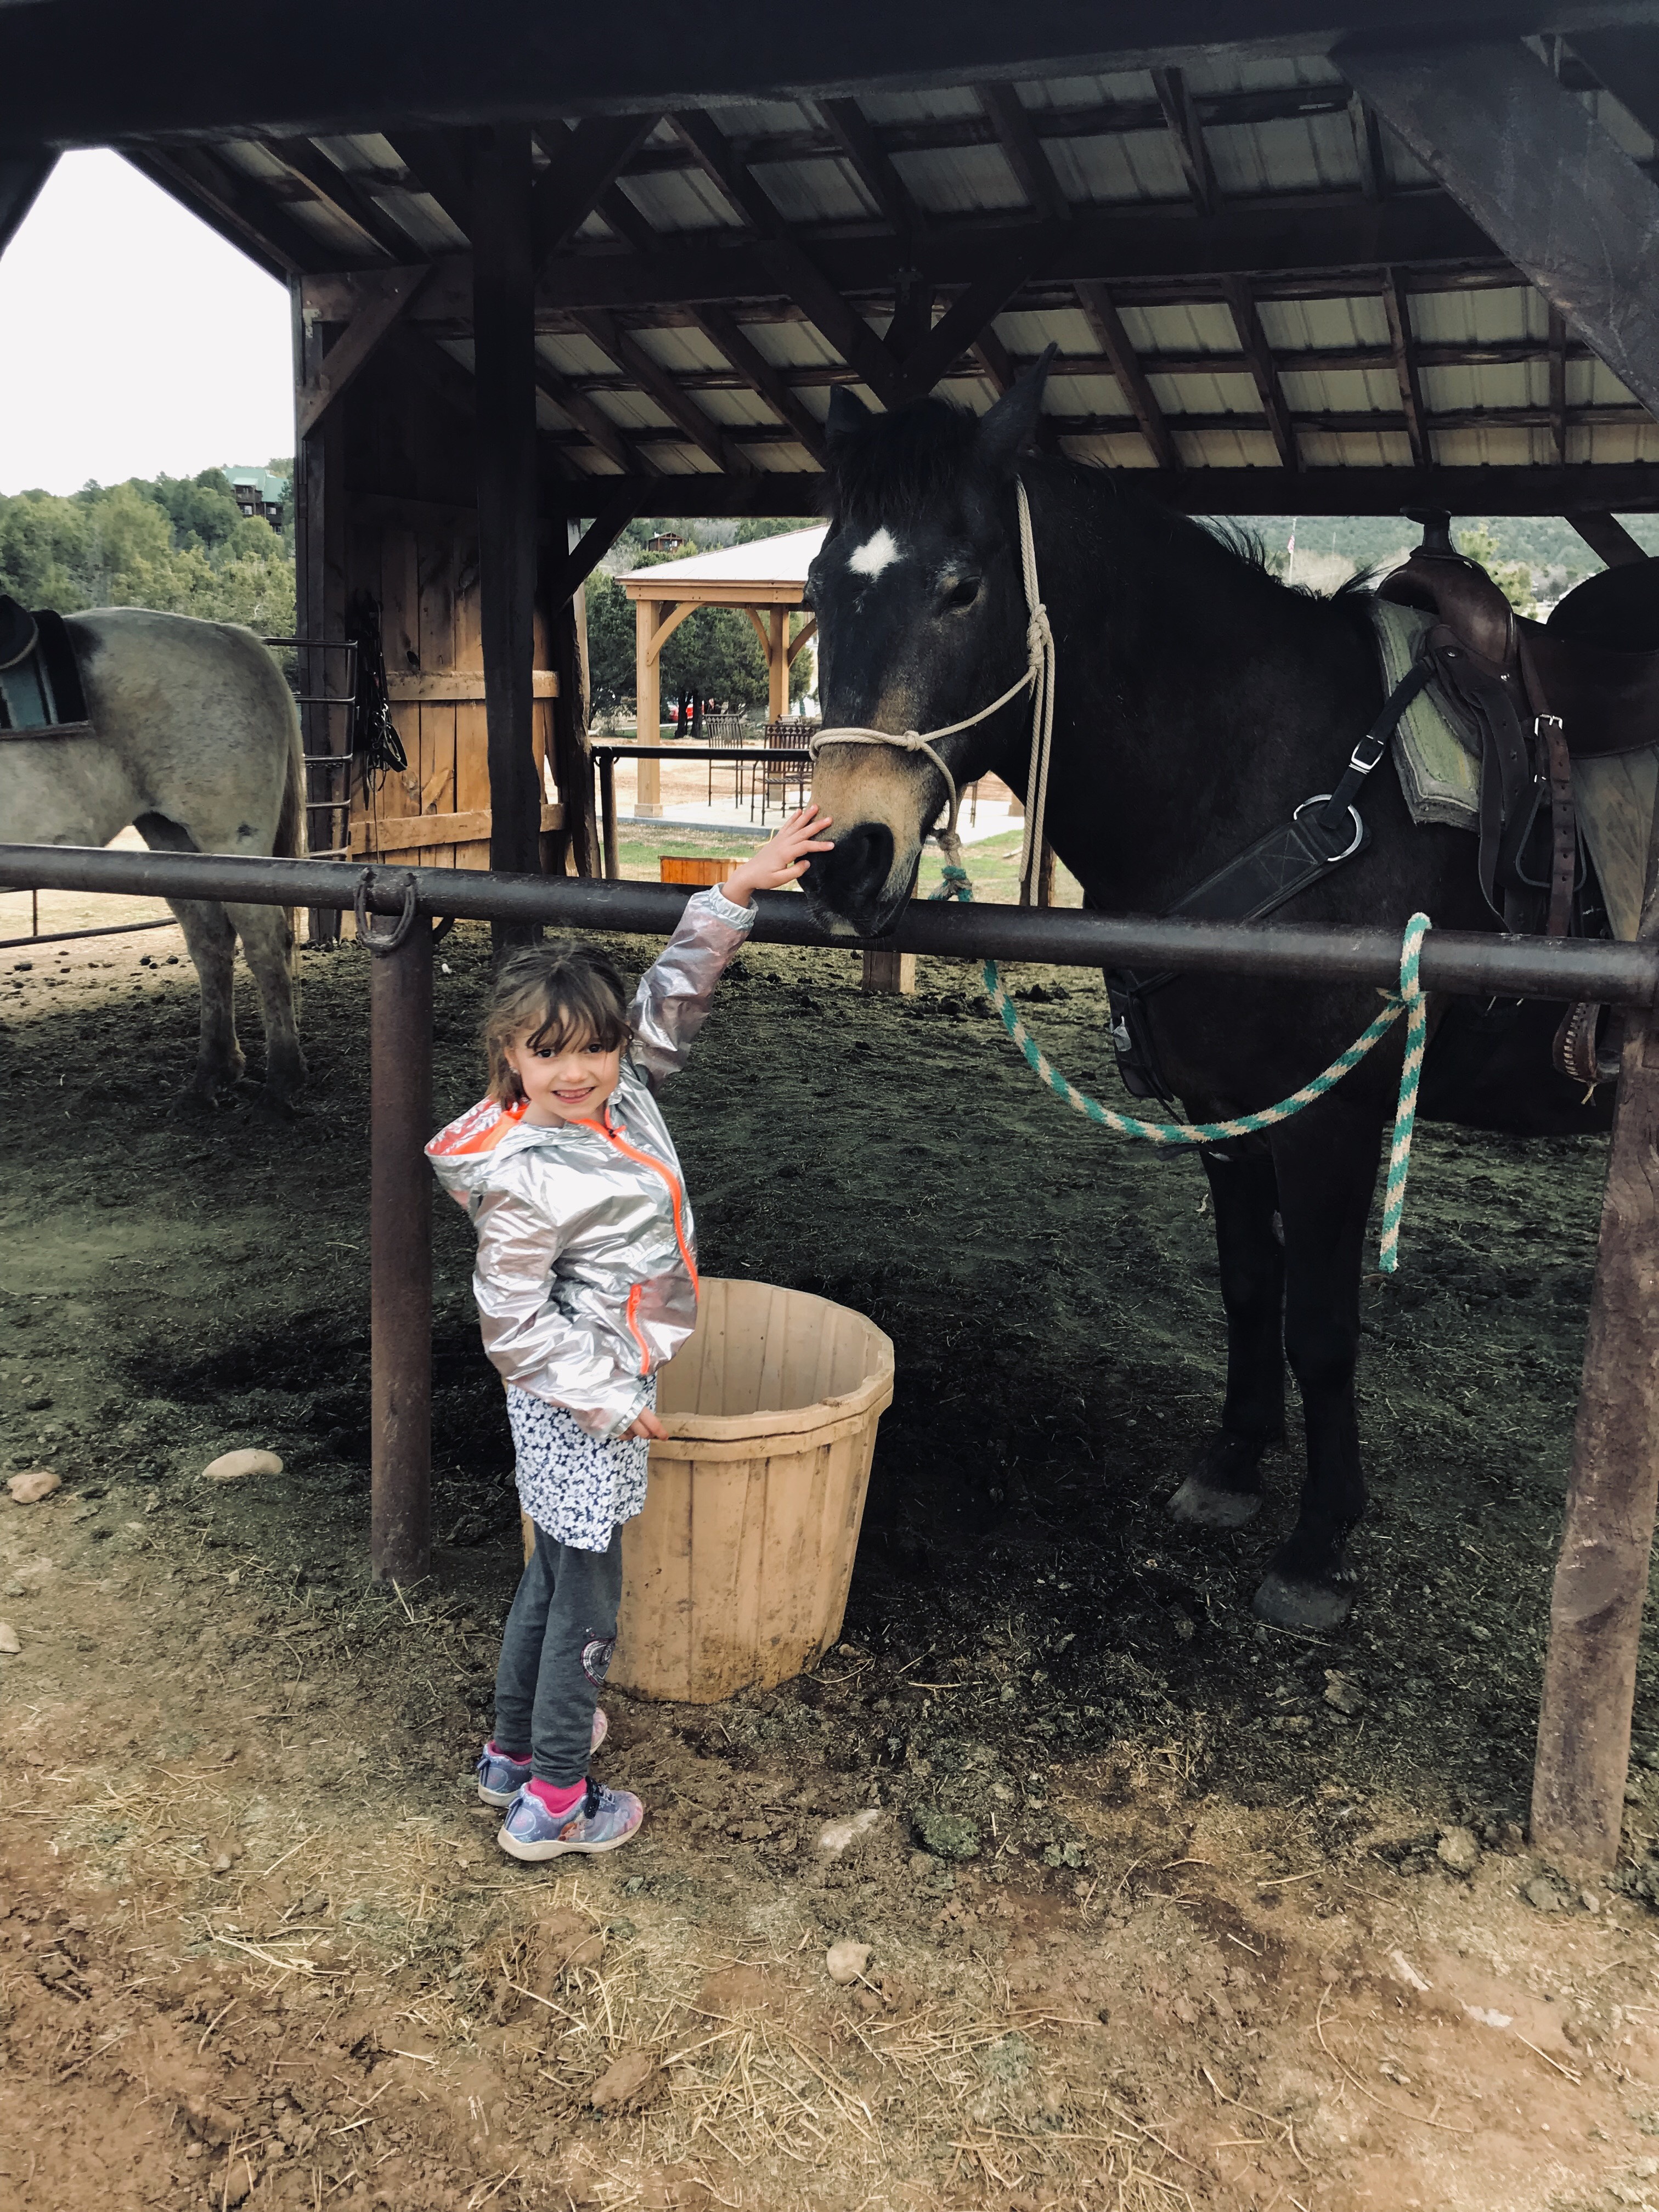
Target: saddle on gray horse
[
  {"x": 40, "y": 693},
  {"x": 1544, "y": 700}
]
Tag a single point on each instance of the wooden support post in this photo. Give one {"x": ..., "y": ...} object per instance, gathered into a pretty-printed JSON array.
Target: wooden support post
[
  {"x": 777, "y": 664},
  {"x": 647, "y": 709},
  {"x": 1607, "y": 536},
  {"x": 319, "y": 606},
  {"x": 503, "y": 311},
  {"x": 400, "y": 1258},
  {"x": 1602, "y": 1572},
  {"x": 572, "y": 767},
  {"x": 889, "y": 973}
]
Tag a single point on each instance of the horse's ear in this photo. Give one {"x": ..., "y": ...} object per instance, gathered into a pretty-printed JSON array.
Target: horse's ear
[
  {"x": 1006, "y": 427},
  {"x": 847, "y": 416}
]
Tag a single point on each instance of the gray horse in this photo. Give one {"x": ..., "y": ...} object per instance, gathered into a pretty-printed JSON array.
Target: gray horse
[{"x": 196, "y": 743}]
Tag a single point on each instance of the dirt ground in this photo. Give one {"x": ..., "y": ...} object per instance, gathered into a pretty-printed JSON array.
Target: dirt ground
[{"x": 1165, "y": 1908}]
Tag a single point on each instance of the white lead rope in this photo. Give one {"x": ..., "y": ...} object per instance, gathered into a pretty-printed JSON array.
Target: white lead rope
[{"x": 1039, "y": 679}]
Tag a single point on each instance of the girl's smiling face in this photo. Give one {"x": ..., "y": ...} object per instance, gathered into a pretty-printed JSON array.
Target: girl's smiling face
[{"x": 569, "y": 1084}]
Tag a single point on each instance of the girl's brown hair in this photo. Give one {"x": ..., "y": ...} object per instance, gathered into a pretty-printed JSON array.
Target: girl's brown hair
[{"x": 561, "y": 994}]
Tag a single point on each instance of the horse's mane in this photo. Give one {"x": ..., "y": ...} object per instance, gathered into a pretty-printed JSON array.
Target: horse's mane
[{"x": 899, "y": 464}]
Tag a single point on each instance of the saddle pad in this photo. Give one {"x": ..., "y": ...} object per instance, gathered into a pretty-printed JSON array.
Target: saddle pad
[
  {"x": 1436, "y": 755},
  {"x": 1438, "y": 765}
]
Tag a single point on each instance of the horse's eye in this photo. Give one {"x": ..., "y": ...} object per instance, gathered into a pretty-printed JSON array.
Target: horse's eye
[{"x": 963, "y": 593}]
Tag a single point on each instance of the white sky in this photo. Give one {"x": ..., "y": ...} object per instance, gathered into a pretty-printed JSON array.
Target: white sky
[{"x": 133, "y": 339}]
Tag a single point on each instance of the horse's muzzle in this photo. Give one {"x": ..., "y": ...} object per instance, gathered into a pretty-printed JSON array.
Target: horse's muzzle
[{"x": 848, "y": 882}]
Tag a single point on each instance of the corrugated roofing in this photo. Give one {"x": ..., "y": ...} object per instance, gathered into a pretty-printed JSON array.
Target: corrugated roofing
[{"x": 783, "y": 559}]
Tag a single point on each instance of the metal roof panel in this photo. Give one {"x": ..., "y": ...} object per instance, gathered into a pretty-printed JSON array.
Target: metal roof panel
[
  {"x": 1187, "y": 326},
  {"x": 572, "y": 353},
  {"x": 1120, "y": 166},
  {"x": 1355, "y": 449},
  {"x": 1220, "y": 394},
  {"x": 1293, "y": 154},
  {"x": 1107, "y": 450},
  {"x": 815, "y": 191},
  {"x": 960, "y": 180},
  {"x": 681, "y": 199},
  {"x": 1296, "y": 325}
]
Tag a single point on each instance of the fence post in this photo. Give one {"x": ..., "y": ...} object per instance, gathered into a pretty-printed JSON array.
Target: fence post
[
  {"x": 1606, "y": 1536},
  {"x": 400, "y": 1257}
]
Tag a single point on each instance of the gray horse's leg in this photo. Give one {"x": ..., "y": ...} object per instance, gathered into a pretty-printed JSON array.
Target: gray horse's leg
[
  {"x": 266, "y": 943},
  {"x": 211, "y": 943}
]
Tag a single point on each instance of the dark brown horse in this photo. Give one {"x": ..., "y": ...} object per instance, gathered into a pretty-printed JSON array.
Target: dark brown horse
[{"x": 1199, "y": 701}]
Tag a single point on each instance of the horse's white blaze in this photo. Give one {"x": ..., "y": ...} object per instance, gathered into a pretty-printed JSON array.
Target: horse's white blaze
[{"x": 875, "y": 554}]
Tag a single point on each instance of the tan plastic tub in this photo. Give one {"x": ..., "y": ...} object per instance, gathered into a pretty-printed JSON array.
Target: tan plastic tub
[{"x": 736, "y": 1573}]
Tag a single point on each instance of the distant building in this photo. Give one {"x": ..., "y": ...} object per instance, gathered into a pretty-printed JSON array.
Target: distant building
[
  {"x": 258, "y": 493},
  {"x": 664, "y": 542}
]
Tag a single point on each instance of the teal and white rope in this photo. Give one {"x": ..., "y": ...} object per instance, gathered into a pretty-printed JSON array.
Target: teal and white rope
[{"x": 1408, "y": 999}]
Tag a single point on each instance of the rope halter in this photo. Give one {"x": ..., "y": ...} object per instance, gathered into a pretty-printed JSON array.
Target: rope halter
[{"x": 1038, "y": 679}]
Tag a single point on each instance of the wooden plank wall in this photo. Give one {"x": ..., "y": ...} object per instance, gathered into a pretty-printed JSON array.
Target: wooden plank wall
[{"x": 413, "y": 542}]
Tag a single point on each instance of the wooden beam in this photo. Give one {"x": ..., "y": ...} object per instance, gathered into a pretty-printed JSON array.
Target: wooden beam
[
  {"x": 1625, "y": 488},
  {"x": 1252, "y": 340},
  {"x": 1402, "y": 344},
  {"x": 1626, "y": 57},
  {"x": 1367, "y": 149},
  {"x": 681, "y": 410},
  {"x": 976, "y": 308},
  {"x": 1544, "y": 180},
  {"x": 611, "y": 515},
  {"x": 1024, "y": 151},
  {"x": 197, "y": 68},
  {"x": 235, "y": 206},
  {"x": 792, "y": 268},
  {"x": 1175, "y": 98},
  {"x": 856, "y": 136},
  {"x": 439, "y": 162},
  {"x": 385, "y": 297},
  {"x": 625, "y": 219},
  {"x": 1601, "y": 1570},
  {"x": 342, "y": 194},
  {"x": 601, "y": 432},
  {"x": 1558, "y": 350},
  {"x": 1607, "y": 537},
  {"x": 582, "y": 165},
  {"x": 1114, "y": 342},
  {"x": 504, "y": 286},
  {"x": 722, "y": 329},
  {"x": 22, "y": 176}
]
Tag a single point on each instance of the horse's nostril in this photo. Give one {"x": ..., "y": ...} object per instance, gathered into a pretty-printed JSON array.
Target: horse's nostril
[{"x": 851, "y": 878}]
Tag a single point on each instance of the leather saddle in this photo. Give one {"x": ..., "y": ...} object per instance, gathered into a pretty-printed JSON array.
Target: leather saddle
[
  {"x": 18, "y": 632},
  {"x": 1584, "y": 685}
]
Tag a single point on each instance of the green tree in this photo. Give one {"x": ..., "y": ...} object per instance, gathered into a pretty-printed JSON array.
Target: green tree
[
  {"x": 610, "y": 632},
  {"x": 714, "y": 654},
  {"x": 1512, "y": 578}
]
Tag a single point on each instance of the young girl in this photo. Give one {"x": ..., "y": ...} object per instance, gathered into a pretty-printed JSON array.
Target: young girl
[{"x": 586, "y": 1282}]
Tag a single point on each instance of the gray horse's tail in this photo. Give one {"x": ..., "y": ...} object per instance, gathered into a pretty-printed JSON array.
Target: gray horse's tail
[{"x": 290, "y": 841}]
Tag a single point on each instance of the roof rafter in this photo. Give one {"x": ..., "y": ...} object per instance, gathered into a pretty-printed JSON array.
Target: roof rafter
[
  {"x": 438, "y": 162},
  {"x": 1114, "y": 342},
  {"x": 22, "y": 176},
  {"x": 795, "y": 271},
  {"x": 1252, "y": 342},
  {"x": 681, "y": 410},
  {"x": 1023, "y": 151},
  {"x": 1557, "y": 353},
  {"x": 856, "y": 136},
  {"x": 582, "y": 165},
  {"x": 234, "y": 205},
  {"x": 601, "y": 432},
  {"x": 1403, "y": 346},
  {"x": 1175, "y": 98},
  {"x": 335, "y": 189},
  {"x": 723, "y": 330}
]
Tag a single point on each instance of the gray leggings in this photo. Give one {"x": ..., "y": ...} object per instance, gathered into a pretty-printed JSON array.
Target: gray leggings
[{"x": 555, "y": 1649}]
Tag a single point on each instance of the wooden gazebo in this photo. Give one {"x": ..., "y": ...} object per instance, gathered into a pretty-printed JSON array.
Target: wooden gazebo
[{"x": 766, "y": 580}]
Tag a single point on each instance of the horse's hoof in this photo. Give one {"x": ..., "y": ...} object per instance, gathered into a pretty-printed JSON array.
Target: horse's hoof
[
  {"x": 1200, "y": 1504},
  {"x": 1286, "y": 1603},
  {"x": 193, "y": 1105},
  {"x": 272, "y": 1106}
]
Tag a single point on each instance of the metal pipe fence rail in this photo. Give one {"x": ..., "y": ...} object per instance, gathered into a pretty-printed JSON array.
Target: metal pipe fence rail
[{"x": 1602, "y": 1572}]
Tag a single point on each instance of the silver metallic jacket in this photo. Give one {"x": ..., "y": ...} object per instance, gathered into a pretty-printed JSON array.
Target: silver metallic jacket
[{"x": 586, "y": 1278}]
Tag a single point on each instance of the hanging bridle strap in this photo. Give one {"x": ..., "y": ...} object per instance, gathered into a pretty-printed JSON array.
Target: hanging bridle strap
[{"x": 1038, "y": 679}]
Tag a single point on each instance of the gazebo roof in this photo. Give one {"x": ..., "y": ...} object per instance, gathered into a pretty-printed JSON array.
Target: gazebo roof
[{"x": 769, "y": 571}]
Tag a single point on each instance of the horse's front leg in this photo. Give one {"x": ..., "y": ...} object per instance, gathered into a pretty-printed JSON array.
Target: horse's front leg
[
  {"x": 267, "y": 944},
  {"x": 1225, "y": 1490},
  {"x": 1326, "y": 1161}
]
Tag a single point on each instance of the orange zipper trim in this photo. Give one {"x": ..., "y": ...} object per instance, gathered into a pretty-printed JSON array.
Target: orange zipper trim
[
  {"x": 675, "y": 1192},
  {"x": 634, "y": 1331}
]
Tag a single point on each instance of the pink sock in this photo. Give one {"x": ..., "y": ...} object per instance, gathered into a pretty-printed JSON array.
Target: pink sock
[
  {"x": 557, "y": 1802},
  {"x": 495, "y": 1751}
]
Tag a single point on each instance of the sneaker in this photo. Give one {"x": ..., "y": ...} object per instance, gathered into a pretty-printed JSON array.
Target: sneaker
[
  {"x": 603, "y": 1819},
  {"x": 501, "y": 1779}
]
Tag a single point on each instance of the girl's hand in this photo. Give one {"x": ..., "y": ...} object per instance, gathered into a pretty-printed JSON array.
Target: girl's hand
[
  {"x": 648, "y": 1425},
  {"x": 781, "y": 858}
]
